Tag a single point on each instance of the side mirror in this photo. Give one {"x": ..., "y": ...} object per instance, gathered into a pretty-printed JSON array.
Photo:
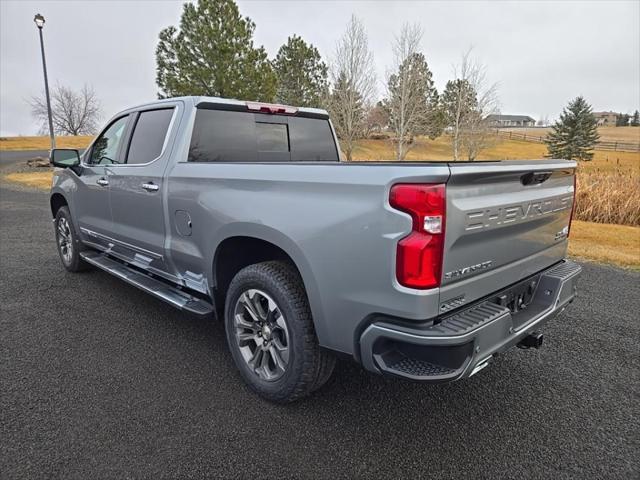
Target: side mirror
[{"x": 65, "y": 157}]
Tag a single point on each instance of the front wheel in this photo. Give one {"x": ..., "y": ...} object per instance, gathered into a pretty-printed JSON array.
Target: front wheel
[
  {"x": 68, "y": 243},
  {"x": 270, "y": 333}
]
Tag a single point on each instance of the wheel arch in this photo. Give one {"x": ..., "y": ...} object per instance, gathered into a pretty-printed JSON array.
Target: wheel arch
[
  {"x": 239, "y": 249},
  {"x": 236, "y": 252},
  {"x": 57, "y": 201}
]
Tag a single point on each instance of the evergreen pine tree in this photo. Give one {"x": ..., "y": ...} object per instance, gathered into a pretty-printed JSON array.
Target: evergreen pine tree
[
  {"x": 412, "y": 104},
  {"x": 302, "y": 75},
  {"x": 622, "y": 120},
  {"x": 212, "y": 53},
  {"x": 458, "y": 101},
  {"x": 460, "y": 111},
  {"x": 574, "y": 135},
  {"x": 635, "y": 120}
]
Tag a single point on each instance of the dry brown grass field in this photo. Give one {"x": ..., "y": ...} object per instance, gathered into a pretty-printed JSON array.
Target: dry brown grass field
[
  {"x": 501, "y": 149},
  {"x": 607, "y": 134},
  {"x": 42, "y": 143},
  {"x": 438, "y": 150}
]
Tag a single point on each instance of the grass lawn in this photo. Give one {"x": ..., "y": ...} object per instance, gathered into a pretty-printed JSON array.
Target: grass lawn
[
  {"x": 37, "y": 179},
  {"x": 605, "y": 243}
]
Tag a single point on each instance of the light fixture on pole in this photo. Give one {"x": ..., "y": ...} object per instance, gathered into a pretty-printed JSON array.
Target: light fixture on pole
[{"x": 39, "y": 21}]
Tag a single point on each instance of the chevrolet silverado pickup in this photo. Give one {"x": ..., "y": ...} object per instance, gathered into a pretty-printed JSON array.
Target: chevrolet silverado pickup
[{"x": 244, "y": 211}]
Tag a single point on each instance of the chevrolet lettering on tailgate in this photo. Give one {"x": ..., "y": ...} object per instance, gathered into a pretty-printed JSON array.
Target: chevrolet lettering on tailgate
[{"x": 493, "y": 217}]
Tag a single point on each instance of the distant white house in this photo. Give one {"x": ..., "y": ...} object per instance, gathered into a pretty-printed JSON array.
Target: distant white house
[{"x": 499, "y": 121}]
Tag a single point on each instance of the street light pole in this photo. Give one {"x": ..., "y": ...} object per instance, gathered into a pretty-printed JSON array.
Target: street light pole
[{"x": 39, "y": 21}]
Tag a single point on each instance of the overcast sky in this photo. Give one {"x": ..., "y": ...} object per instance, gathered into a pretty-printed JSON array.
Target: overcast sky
[{"x": 542, "y": 53}]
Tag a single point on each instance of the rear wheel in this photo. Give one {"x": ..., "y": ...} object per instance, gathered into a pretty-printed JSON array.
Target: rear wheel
[
  {"x": 270, "y": 333},
  {"x": 68, "y": 243}
]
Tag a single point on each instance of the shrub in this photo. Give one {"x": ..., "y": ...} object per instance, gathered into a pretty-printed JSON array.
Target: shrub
[
  {"x": 379, "y": 136},
  {"x": 608, "y": 197}
]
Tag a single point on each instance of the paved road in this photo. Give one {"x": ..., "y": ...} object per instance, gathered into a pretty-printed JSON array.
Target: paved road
[
  {"x": 99, "y": 380},
  {"x": 12, "y": 156},
  {"x": 7, "y": 157}
]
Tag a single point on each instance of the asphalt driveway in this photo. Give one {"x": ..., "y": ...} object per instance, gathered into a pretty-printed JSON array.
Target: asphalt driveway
[
  {"x": 11, "y": 156},
  {"x": 99, "y": 380}
]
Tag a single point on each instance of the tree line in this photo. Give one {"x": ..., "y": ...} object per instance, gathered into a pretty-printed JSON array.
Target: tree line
[
  {"x": 624, "y": 119},
  {"x": 212, "y": 53}
]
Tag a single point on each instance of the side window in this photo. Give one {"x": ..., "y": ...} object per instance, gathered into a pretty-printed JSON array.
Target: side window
[
  {"x": 105, "y": 148},
  {"x": 149, "y": 135}
]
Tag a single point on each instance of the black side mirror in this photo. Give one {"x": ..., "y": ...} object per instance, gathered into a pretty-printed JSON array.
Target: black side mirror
[{"x": 65, "y": 157}]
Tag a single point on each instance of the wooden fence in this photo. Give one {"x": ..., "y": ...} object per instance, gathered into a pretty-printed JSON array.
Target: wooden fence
[{"x": 602, "y": 145}]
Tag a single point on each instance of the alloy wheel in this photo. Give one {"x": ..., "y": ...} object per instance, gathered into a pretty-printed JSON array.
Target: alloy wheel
[
  {"x": 261, "y": 334},
  {"x": 65, "y": 240}
]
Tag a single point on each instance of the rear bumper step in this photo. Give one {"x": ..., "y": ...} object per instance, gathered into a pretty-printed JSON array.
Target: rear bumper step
[
  {"x": 463, "y": 343},
  {"x": 157, "y": 288}
]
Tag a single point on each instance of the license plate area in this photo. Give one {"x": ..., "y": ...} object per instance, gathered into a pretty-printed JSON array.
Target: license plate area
[{"x": 518, "y": 297}]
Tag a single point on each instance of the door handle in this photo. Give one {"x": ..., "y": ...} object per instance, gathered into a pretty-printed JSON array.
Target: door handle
[
  {"x": 150, "y": 187},
  {"x": 103, "y": 182}
]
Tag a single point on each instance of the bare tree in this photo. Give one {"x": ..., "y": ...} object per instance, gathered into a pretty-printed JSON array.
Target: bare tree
[
  {"x": 477, "y": 134},
  {"x": 467, "y": 101},
  {"x": 405, "y": 110},
  {"x": 74, "y": 113},
  {"x": 353, "y": 78}
]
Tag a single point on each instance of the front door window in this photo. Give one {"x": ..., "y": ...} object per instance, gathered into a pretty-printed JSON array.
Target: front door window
[{"x": 105, "y": 148}]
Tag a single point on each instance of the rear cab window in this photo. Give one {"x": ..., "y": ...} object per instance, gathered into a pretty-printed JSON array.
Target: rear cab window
[{"x": 244, "y": 136}]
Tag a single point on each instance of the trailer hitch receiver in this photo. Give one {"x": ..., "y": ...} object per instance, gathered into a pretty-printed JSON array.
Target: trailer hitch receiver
[{"x": 533, "y": 340}]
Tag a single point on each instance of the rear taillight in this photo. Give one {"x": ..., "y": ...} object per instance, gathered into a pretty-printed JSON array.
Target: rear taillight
[
  {"x": 573, "y": 205},
  {"x": 419, "y": 254}
]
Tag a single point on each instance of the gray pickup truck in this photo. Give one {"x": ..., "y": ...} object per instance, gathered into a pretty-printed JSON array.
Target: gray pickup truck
[{"x": 244, "y": 211}]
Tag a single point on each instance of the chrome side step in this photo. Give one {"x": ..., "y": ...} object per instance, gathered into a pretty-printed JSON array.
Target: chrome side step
[{"x": 158, "y": 289}]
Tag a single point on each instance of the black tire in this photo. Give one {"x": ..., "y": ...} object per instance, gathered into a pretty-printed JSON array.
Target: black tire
[
  {"x": 309, "y": 366},
  {"x": 327, "y": 364},
  {"x": 70, "y": 257}
]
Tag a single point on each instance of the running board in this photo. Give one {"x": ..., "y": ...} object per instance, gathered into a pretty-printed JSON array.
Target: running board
[{"x": 172, "y": 295}]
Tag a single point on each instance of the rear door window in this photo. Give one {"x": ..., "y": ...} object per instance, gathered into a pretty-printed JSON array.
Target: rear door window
[
  {"x": 235, "y": 136},
  {"x": 149, "y": 135}
]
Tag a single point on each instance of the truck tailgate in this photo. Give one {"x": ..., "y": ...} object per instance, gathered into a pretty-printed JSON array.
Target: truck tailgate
[{"x": 505, "y": 221}]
